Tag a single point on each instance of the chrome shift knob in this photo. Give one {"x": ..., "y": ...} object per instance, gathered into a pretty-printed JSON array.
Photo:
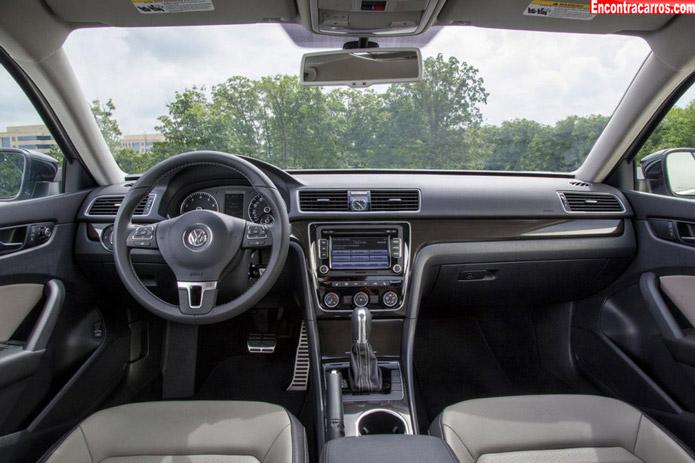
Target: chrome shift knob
[{"x": 361, "y": 321}]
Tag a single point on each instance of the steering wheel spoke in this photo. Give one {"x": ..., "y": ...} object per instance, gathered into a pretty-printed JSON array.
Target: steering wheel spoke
[
  {"x": 257, "y": 236},
  {"x": 142, "y": 237},
  {"x": 197, "y": 297}
]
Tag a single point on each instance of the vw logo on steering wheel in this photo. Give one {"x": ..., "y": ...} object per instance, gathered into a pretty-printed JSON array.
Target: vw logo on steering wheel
[{"x": 197, "y": 237}]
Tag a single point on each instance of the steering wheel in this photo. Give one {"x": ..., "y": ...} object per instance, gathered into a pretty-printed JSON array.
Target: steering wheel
[{"x": 200, "y": 245}]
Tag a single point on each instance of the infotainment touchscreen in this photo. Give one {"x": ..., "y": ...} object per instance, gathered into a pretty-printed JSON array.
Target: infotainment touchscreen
[{"x": 359, "y": 252}]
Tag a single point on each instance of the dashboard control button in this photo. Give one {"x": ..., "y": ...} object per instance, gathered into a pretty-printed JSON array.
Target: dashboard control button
[
  {"x": 397, "y": 268},
  {"x": 323, "y": 269},
  {"x": 331, "y": 300},
  {"x": 323, "y": 249},
  {"x": 396, "y": 248},
  {"x": 360, "y": 299},
  {"x": 390, "y": 299}
]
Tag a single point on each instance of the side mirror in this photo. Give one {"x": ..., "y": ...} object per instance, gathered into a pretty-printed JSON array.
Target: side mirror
[
  {"x": 26, "y": 174},
  {"x": 680, "y": 172}
]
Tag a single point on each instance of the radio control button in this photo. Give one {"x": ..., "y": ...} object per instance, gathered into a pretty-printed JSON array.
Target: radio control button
[
  {"x": 323, "y": 249},
  {"x": 360, "y": 299},
  {"x": 390, "y": 299},
  {"x": 397, "y": 268},
  {"x": 331, "y": 300},
  {"x": 323, "y": 269}
]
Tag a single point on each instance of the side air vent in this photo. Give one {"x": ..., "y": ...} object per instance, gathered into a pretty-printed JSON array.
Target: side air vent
[
  {"x": 323, "y": 200},
  {"x": 395, "y": 200},
  {"x": 580, "y": 183},
  {"x": 590, "y": 202},
  {"x": 109, "y": 205}
]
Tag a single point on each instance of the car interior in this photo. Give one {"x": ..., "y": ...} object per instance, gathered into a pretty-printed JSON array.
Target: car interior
[{"x": 219, "y": 307}]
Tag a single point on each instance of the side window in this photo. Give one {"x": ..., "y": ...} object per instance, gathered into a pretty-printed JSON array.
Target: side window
[
  {"x": 666, "y": 163},
  {"x": 30, "y": 160}
]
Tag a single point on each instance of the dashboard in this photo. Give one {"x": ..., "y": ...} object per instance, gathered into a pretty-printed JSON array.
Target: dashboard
[{"x": 235, "y": 200}]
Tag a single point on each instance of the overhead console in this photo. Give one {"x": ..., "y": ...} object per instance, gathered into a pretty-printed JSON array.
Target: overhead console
[
  {"x": 372, "y": 17},
  {"x": 360, "y": 265}
]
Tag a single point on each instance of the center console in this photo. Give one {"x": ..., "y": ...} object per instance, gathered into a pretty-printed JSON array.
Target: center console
[
  {"x": 359, "y": 273},
  {"x": 360, "y": 265}
]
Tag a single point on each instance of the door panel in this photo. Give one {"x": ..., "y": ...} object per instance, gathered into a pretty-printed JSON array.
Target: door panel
[
  {"x": 59, "y": 365},
  {"x": 17, "y": 302},
  {"x": 636, "y": 338}
]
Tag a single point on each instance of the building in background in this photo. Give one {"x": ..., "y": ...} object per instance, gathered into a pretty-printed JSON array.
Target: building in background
[
  {"x": 141, "y": 143},
  {"x": 38, "y": 138},
  {"x": 30, "y": 137}
]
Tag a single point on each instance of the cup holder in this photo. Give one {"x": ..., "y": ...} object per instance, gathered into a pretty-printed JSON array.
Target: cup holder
[{"x": 381, "y": 422}]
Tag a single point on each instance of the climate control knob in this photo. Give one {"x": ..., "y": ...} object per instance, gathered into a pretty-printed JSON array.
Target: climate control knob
[
  {"x": 360, "y": 299},
  {"x": 390, "y": 299},
  {"x": 331, "y": 300}
]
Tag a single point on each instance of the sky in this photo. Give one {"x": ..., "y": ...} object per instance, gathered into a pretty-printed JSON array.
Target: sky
[{"x": 539, "y": 76}]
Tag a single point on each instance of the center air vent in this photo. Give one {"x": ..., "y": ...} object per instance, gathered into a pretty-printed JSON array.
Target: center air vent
[
  {"x": 590, "y": 202},
  {"x": 323, "y": 200},
  {"x": 108, "y": 205},
  {"x": 395, "y": 200}
]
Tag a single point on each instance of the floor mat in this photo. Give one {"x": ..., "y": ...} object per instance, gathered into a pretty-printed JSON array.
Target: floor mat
[
  {"x": 257, "y": 377},
  {"x": 463, "y": 358}
]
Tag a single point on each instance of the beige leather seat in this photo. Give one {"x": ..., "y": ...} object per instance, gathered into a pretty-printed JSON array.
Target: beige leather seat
[
  {"x": 186, "y": 432},
  {"x": 554, "y": 429}
]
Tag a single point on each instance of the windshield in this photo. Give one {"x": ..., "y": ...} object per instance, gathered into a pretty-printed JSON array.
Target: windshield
[{"x": 490, "y": 99}]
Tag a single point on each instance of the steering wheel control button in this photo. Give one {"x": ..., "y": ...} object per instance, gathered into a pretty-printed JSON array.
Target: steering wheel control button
[
  {"x": 331, "y": 300},
  {"x": 397, "y": 268},
  {"x": 141, "y": 237},
  {"x": 257, "y": 236},
  {"x": 390, "y": 299},
  {"x": 197, "y": 237},
  {"x": 323, "y": 269},
  {"x": 360, "y": 299}
]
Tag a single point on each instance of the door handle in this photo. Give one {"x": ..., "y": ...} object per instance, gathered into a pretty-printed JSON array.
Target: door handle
[{"x": 680, "y": 343}]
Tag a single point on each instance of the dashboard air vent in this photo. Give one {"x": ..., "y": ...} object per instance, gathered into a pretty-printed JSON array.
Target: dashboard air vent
[
  {"x": 395, "y": 200},
  {"x": 580, "y": 183},
  {"x": 590, "y": 202},
  {"x": 109, "y": 205},
  {"x": 323, "y": 200}
]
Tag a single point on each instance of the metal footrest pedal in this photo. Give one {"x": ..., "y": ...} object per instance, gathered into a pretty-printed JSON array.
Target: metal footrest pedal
[
  {"x": 261, "y": 343},
  {"x": 300, "y": 378}
]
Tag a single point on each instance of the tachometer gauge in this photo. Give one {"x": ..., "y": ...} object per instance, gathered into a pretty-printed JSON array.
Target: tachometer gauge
[
  {"x": 260, "y": 211},
  {"x": 198, "y": 201}
]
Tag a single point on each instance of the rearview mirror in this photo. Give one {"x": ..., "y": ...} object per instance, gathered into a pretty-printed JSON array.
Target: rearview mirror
[{"x": 362, "y": 67}]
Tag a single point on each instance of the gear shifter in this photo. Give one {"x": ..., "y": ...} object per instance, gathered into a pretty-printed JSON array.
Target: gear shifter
[{"x": 365, "y": 375}]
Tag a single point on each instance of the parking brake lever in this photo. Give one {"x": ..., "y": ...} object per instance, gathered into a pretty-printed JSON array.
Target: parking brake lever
[{"x": 334, "y": 405}]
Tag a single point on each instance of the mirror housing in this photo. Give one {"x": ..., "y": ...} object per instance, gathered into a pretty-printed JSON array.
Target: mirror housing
[
  {"x": 362, "y": 67},
  {"x": 670, "y": 172},
  {"x": 26, "y": 174}
]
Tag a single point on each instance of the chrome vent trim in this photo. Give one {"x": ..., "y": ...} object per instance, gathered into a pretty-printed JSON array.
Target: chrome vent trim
[
  {"x": 395, "y": 200},
  {"x": 591, "y": 203},
  {"x": 108, "y": 205},
  {"x": 391, "y": 200},
  {"x": 323, "y": 200}
]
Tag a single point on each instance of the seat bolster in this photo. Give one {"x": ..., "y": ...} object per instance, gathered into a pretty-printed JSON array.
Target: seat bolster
[
  {"x": 509, "y": 424},
  {"x": 260, "y": 430},
  {"x": 653, "y": 444},
  {"x": 72, "y": 449}
]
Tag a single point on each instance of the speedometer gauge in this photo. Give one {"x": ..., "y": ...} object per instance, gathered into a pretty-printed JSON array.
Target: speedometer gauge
[
  {"x": 260, "y": 211},
  {"x": 199, "y": 201}
]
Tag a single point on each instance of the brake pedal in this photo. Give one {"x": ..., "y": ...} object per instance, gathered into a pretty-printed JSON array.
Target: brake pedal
[
  {"x": 300, "y": 378},
  {"x": 261, "y": 343}
]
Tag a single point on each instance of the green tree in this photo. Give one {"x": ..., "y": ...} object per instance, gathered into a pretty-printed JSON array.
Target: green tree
[
  {"x": 103, "y": 115},
  {"x": 676, "y": 130}
]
